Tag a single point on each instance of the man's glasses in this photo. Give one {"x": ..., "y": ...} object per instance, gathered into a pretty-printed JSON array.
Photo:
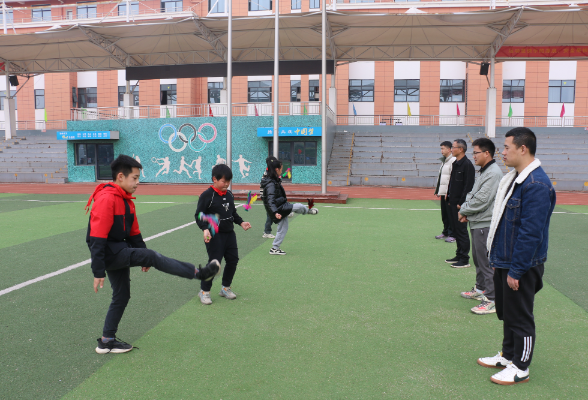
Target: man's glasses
[{"x": 477, "y": 152}]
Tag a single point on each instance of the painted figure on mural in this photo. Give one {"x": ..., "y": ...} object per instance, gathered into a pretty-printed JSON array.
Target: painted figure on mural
[
  {"x": 220, "y": 160},
  {"x": 183, "y": 168},
  {"x": 196, "y": 165},
  {"x": 165, "y": 164},
  {"x": 244, "y": 169},
  {"x": 139, "y": 161}
]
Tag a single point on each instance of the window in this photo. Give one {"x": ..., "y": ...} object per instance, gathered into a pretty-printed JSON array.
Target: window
[
  {"x": 361, "y": 90},
  {"x": 87, "y": 97},
  {"x": 122, "y": 8},
  {"x": 169, "y": 94},
  {"x": 42, "y": 12},
  {"x": 260, "y": 5},
  {"x": 513, "y": 91},
  {"x": 406, "y": 90},
  {"x": 259, "y": 92},
  {"x": 85, "y": 154},
  {"x": 294, "y": 91},
  {"x": 86, "y": 10},
  {"x": 171, "y": 5},
  {"x": 562, "y": 91},
  {"x": 9, "y": 17},
  {"x": 3, "y": 96},
  {"x": 452, "y": 90},
  {"x": 69, "y": 14},
  {"x": 39, "y": 99},
  {"x": 313, "y": 90},
  {"x": 296, "y": 4},
  {"x": 217, "y": 6},
  {"x": 214, "y": 92},
  {"x": 314, "y": 4},
  {"x": 121, "y": 95},
  {"x": 104, "y": 156},
  {"x": 295, "y": 153}
]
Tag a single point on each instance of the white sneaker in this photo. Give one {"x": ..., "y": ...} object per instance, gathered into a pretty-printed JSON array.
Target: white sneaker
[
  {"x": 268, "y": 236},
  {"x": 313, "y": 211},
  {"x": 205, "y": 297},
  {"x": 494, "y": 362},
  {"x": 278, "y": 252},
  {"x": 485, "y": 307},
  {"x": 473, "y": 294},
  {"x": 228, "y": 293},
  {"x": 511, "y": 375},
  {"x": 291, "y": 215}
]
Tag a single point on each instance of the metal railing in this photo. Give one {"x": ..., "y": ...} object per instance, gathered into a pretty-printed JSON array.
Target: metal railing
[
  {"x": 194, "y": 110},
  {"x": 424, "y": 120},
  {"x": 37, "y": 125},
  {"x": 543, "y": 122}
]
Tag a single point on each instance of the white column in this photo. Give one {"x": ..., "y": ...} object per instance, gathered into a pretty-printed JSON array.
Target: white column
[
  {"x": 230, "y": 86},
  {"x": 491, "y": 104},
  {"x": 9, "y": 111},
  {"x": 333, "y": 93},
  {"x": 324, "y": 101},
  {"x": 276, "y": 77},
  {"x": 4, "y": 17}
]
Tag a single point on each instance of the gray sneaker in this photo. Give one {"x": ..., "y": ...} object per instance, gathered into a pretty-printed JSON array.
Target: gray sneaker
[
  {"x": 450, "y": 239},
  {"x": 205, "y": 297},
  {"x": 268, "y": 236},
  {"x": 313, "y": 211},
  {"x": 228, "y": 293},
  {"x": 277, "y": 252}
]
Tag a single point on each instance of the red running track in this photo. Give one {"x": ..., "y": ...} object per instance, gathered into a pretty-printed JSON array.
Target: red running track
[{"x": 364, "y": 192}]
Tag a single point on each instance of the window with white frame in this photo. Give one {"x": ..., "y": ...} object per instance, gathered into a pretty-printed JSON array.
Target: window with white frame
[
  {"x": 134, "y": 10},
  {"x": 513, "y": 91},
  {"x": 259, "y": 92},
  {"x": 296, "y": 4},
  {"x": 214, "y": 92},
  {"x": 260, "y": 5},
  {"x": 452, "y": 90},
  {"x": 39, "y": 99},
  {"x": 295, "y": 91},
  {"x": 86, "y": 10},
  {"x": 562, "y": 91},
  {"x": 41, "y": 12}
]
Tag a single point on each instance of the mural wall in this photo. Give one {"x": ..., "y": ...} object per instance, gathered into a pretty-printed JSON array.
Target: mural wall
[{"x": 184, "y": 150}]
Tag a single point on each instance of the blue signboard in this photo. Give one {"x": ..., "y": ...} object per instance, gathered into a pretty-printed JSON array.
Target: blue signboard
[
  {"x": 87, "y": 135},
  {"x": 297, "y": 131}
]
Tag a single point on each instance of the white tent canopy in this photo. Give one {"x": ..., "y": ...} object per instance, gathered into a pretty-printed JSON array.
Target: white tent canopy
[{"x": 185, "y": 38}]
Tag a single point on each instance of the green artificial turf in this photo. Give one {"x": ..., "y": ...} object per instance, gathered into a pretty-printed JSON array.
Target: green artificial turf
[{"x": 361, "y": 307}]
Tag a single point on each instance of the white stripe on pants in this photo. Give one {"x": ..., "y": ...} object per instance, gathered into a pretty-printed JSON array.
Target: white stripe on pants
[{"x": 283, "y": 225}]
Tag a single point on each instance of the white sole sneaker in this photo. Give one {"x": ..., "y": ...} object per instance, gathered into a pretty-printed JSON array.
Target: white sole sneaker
[
  {"x": 494, "y": 362},
  {"x": 277, "y": 252},
  {"x": 268, "y": 236}
]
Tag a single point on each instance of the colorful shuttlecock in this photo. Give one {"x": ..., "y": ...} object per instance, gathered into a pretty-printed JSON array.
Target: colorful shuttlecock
[
  {"x": 250, "y": 201},
  {"x": 288, "y": 174},
  {"x": 212, "y": 221},
  {"x": 310, "y": 203}
]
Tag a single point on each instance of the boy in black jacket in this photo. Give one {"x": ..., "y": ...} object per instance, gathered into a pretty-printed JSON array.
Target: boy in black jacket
[
  {"x": 116, "y": 244},
  {"x": 217, "y": 199}
]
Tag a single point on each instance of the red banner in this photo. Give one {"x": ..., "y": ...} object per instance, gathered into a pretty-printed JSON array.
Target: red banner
[{"x": 543, "y": 52}]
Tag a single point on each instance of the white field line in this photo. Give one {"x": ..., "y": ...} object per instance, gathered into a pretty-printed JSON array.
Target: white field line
[{"x": 80, "y": 264}]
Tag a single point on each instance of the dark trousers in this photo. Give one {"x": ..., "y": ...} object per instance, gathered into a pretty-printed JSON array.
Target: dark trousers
[
  {"x": 118, "y": 271},
  {"x": 447, "y": 231},
  {"x": 515, "y": 309},
  {"x": 223, "y": 245},
  {"x": 268, "y": 225},
  {"x": 460, "y": 233}
]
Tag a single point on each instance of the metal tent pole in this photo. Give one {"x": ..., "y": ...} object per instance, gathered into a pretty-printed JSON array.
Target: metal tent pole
[
  {"x": 230, "y": 85},
  {"x": 324, "y": 101},
  {"x": 276, "y": 76}
]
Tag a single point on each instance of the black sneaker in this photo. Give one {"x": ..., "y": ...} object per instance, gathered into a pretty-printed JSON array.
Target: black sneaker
[
  {"x": 460, "y": 264},
  {"x": 452, "y": 260},
  {"x": 114, "y": 346},
  {"x": 209, "y": 271},
  {"x": 278, "y": 252}
]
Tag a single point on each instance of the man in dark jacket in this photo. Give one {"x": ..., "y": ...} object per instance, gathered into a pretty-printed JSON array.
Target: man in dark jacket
[
  {"x": 116, "y": 244},
  {"x": 518, "y": 241},
  {"x": 461, "y": 182}
]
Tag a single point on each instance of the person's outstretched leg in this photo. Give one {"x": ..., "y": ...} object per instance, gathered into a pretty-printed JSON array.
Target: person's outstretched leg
[
  {"x": 151, "y": 258},
  {"x": 299, "y": 208}
]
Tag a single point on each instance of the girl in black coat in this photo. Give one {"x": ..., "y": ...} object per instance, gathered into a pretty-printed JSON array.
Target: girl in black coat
[{"x": 276, "y": 204}]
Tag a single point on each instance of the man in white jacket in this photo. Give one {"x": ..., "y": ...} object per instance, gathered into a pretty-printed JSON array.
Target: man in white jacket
[{"x": 447, "y": 160}]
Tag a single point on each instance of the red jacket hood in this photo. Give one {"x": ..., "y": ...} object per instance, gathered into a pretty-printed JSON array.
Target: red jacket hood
[{"x": 108, "y": 188}]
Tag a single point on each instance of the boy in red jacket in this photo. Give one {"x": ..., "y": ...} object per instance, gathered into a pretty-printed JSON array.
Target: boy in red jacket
[{"x": 116, "y": 244}]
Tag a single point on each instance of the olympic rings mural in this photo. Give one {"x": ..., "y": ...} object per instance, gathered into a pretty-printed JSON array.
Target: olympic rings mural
[{"x": 187, "y": 141}]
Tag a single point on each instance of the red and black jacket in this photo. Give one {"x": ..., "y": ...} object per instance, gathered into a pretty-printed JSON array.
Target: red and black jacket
[{"x": 112, "y": 227}]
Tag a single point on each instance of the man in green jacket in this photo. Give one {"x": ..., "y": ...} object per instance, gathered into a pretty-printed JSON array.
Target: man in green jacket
[{"x": 477, "y": 209}]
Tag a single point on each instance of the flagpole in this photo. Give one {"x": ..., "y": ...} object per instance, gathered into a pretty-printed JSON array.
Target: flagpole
[
  {"x": 324, "y": 100},
  {"x": 230, "y": 86},
  {"x": 276, "y": 76}
]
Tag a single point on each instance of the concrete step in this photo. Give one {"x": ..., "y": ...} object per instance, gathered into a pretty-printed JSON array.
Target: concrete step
[
  {"x": 392, "y": 181},
  {"x": 29, "y": 169},
  {"x": 32, "y": 164}
]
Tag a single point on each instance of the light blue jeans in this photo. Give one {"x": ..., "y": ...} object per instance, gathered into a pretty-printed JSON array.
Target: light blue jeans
[{"x": 283, "y": 225}]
